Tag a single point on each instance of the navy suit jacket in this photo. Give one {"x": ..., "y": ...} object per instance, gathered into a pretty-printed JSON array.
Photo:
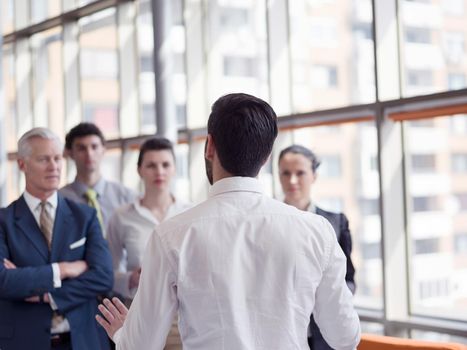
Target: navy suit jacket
[
  {"x": 25, "y": 325},
  {"x": 340, "y": 223}
]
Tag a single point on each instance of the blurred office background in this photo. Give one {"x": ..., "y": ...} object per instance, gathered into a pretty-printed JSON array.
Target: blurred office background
[{"x": 377, "y": 88}]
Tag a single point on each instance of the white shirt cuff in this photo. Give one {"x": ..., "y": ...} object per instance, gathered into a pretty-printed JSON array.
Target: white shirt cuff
[
  {"x": 52, "y": 303},
  {"x": 116, "y": 337},
  {"x": 56, "y": 273}
]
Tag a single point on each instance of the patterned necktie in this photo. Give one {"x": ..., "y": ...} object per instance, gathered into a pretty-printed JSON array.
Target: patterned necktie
[
  {"x": 91, "y": 197},
  {"x": 46, "y": 223}
]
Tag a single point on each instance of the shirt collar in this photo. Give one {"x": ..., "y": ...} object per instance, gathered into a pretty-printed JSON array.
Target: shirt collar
[
  {"x": 81, "y": 188},
  {"x": 235, "y": 184},
  {"x": 34, "y": 202}
]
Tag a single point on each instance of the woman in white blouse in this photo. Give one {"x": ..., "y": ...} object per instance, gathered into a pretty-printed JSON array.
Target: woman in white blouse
[{"x": 131, "y": 225}]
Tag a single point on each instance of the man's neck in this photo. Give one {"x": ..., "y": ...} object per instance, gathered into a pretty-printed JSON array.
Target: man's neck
[
  {"x": 42, "y": 195},
  {"x": 89, "y": 179},
  {"x": 157, "y": 199}
]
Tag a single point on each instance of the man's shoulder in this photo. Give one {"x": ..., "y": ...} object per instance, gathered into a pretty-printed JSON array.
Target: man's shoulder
[
  {"x": 330, "y": 215},
  {"x": 120, "y": 189},
  {"x": 75, "y": 207},
  {"x": 69, "y": 191}
]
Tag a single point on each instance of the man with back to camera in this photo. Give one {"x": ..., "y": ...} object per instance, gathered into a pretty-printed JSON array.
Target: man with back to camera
[
  {"x": 242, "y": 270},
  {"x": 54, "y": 260},
  {"x": 85, "y": 144}
]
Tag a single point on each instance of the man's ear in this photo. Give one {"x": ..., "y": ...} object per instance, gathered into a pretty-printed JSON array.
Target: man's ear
[
  {"x": 210, "y": 148},
  {"x": 21, "y": 164}
]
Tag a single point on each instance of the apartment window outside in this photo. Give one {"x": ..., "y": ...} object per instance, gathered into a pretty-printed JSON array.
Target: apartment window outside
[
  {"x": 435, "y": 217},
  {"x": 330, "y": 166},
  {"x": 433, "y": 46},
  {"x": 460, "y": 243},
  {"x": 322, "y": 76},
  {"x": 237, "y": 66},
  {"x": 458, "y": 124},
  {"x": 420, "y": 77},
  {"x": 459, "y": 162},
  {"x": 461, "y": 201},
  {"x": 423, "y": 163},
  {"x": 341, "y": 185},
  {"x": 99, "y": 70},
  {"x": 425, "y": 203},
  {"x": 418, "y": 35},
  {"x": 426, "y": 246},
  {"x": 456, "y": 81},
  {"x": 236, "y": 44}
]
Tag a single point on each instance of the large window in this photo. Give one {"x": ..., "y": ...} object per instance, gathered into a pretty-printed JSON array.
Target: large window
[
  {"x": 233, "y": 25},
  {"x": 99, "y": 71},
  {"x": 348, "y": 182},
  {"x": 331, "y": 45},
  {"x": 433, "y": 46},
  {"x": 437, "y": 178}
]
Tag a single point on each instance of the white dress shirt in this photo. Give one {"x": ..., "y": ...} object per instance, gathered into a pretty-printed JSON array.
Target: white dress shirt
[
  {"x": 243, "y": 271},
  {"x": 128, "y": 232},
  {"x": 34, "y": 205}
]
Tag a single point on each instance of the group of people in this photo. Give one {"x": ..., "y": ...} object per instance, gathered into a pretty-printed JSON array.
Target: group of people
[{"x": 238, "y": 271}]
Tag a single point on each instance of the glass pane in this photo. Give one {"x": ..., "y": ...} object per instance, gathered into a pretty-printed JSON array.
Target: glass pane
[
  {"x": 332, "y": 53},
  {"x": 348, "y": 181},
  {"x": 433, "y": 46},
  {"x": 7, "y": 11},
  {"x": 111, "y": 164},
  {"x": 181, "y": 185},
  {"x": 48, "y": 80},
  {"x": 233, "y": 25},
  {"x": 99, "y": 71},
  {"x": 14, "y": 181},
  {"x": 43, "y": 9},
  {"x": 437, "y": 337},
  {"x": 436, "y": 164},
  {"x": 146, "y": 76},
  {"x": 10, "y": 97}
]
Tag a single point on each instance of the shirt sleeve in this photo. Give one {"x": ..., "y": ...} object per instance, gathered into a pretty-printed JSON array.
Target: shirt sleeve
[
  {"x": 155, "y": 304},
  {"x": 56, "y": 274},
  {"x": 334, "y": 300}
]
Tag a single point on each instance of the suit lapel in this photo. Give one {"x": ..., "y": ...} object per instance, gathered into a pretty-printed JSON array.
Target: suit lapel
[
  {"x": 61, "y": 227},
  {"x": 28, "y": 225}
]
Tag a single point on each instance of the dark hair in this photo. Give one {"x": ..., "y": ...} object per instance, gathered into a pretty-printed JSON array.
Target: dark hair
[
  {"x": 82, "y": 130},
  {"x": 297, "y": 149},
  {"x": 243, "y": 128},
  {"x": 156, "y": 143}
]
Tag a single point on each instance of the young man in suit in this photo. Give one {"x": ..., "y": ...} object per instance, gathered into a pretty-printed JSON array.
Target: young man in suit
[
  {"x": 85, "y": 145},
  {"x": 54, "y": 261}
]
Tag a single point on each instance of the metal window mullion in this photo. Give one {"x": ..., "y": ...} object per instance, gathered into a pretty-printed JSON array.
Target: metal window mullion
[
  {"x": 163, "y": 69},
  {"x": 129, "y": 119},
  {"x": 279, "y": 57},
  {"x": 197, "y": 100},
  {"x": 71, "y": 73}
]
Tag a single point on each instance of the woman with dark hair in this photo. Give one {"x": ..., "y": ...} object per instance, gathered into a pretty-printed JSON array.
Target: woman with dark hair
[
  {"x": 297, "y": 172},
  {"x": 131, "y": 225}
]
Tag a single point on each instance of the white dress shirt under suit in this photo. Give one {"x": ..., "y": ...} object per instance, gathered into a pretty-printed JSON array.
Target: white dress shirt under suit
[{"x": 243, "y": 271}]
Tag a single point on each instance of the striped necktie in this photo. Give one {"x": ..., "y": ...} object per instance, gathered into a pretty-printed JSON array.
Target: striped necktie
[
  {"x": 46, "y": 223},
  {"x": 91, "y": 197}
]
